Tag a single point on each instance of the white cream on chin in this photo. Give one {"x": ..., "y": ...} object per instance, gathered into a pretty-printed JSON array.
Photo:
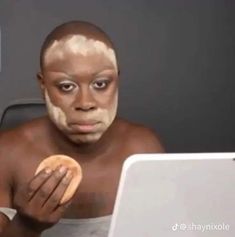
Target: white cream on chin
[
  {"x": 79, "y": 44},
  {"x": 105, "y": 116}
]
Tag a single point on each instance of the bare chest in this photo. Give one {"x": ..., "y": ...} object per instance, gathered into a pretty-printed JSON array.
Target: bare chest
[{"x": 96, "y": 193}]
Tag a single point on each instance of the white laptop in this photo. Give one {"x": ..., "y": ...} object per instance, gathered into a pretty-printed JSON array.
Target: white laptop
[{"x": 176, "y": 195}]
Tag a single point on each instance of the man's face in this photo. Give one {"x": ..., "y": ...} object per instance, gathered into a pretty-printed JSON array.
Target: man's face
[{"x": 81, "y": 88}]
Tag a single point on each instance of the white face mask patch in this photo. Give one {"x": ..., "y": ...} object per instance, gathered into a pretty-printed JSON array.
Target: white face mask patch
[
  {"x": 105, "y": 116},
  {"x": 109, "y": 115},
  {"x": 56, "y": 114},
  {"x": 79, "y": 44}
]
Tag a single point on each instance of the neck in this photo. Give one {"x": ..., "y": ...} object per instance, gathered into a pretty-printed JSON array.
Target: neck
[{"x": 86, "y": 151}]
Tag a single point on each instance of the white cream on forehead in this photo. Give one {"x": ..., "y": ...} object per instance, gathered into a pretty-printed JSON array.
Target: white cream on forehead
[
  {"x": 79, "y": 44},
  {"x": 56, "y": 114}
]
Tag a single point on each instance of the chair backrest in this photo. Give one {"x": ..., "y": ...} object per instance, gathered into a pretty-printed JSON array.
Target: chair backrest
[{"x": 21, "y": 111}]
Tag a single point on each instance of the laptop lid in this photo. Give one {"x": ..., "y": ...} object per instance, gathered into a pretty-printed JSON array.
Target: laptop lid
[{"x": 174, "y": 195}]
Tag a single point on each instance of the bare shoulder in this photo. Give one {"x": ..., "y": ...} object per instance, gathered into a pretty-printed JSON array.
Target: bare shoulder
[
  {"x": 140, "y": 139},
  {"x": 13, "y": 143},
  {"x": 15, "y": 140}
]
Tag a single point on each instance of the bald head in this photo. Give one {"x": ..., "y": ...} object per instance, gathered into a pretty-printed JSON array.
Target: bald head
[{"x": 77, "y": 37}]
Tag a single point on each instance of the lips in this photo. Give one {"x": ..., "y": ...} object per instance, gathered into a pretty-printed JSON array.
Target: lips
[{"x": 84, "y": 126}]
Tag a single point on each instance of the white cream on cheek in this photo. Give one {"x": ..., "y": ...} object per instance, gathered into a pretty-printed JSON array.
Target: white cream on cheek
[
  {"x": 59, "y": 117},
  {"x": 106, "y": 116},
  {"x": 79, "y": 44},
  {"x": 56, "y": 114},
  {"x": 109, "y": 115}
]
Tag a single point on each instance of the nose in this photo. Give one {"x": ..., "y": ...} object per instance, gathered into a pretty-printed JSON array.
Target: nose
[{"x": 84, "y": 101}]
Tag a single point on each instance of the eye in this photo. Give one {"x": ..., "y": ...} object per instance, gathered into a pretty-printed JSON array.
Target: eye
[
  {"x": 67, "y": 87},
  {"x": 101, "y": 84}
]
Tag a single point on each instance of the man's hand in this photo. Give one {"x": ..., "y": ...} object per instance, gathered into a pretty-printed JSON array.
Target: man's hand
[{"x": 38, "y": 203}]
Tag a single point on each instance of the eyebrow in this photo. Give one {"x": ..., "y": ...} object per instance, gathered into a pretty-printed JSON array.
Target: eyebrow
[
  {"x": 65, "y": 77},
  {"x": 103, "y": 71}
]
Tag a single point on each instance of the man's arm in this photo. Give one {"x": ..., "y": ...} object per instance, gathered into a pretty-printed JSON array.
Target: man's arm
[
  {"x": 8, "y": 228},
  {"x": 5, "y": 200},
  {"x": 37, "y": 202},
  {"x": 16, "y": 228}
]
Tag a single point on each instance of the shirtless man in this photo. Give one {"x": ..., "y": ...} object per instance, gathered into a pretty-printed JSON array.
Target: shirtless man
[{"x": 79, "y": 80}]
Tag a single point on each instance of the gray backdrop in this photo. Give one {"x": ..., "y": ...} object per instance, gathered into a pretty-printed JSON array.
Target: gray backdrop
[{"x": 177, "y": 62}]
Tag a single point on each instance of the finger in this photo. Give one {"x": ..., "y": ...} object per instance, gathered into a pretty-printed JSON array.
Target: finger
[
  {"x": 44, "y": 192},
  {"x": 60, "y": 209},
  {"x": 54, "y": 200},
  {"x": 37, "y": 181}
]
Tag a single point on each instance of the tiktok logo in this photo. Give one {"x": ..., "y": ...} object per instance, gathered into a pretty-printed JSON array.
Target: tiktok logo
[{"x": 175, "y": 227}]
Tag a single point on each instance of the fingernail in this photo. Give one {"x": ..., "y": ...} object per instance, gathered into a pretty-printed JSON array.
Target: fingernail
[
  {"x": 62, "y": 169},
  {"x": 48, "y": 170},
  {"x": 68, "y": 177},
  {"x": 69, "y": 174}
]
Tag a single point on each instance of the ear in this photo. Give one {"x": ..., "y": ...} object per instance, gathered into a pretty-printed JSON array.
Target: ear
[{"x": 41, "y": 81}]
